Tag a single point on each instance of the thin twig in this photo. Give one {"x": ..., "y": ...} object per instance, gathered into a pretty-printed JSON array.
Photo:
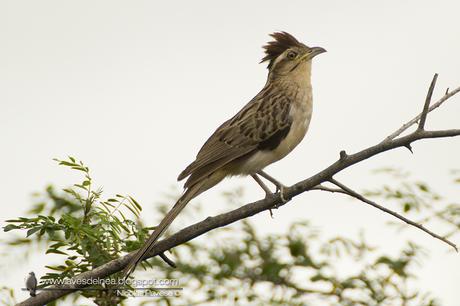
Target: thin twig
[
  {"x": 167, "y": 260},
  {"x": 417, "y": 118},
  {"x": 426, "y": 106},
  {"x": 388, "y": 211},
  {"x": 328, "y": 189}
]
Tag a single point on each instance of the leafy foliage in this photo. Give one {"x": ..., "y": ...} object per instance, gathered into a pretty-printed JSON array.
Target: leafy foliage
[
  {"x": 234, "y": 265},
  {"x": 82, "y": 227},
  {"x": 240, "y": 267}
]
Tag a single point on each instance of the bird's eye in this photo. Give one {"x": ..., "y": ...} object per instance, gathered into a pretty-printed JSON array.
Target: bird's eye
[{"x": 291, "y": 55}]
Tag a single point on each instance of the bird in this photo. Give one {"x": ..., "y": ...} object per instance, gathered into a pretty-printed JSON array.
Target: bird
[
  {"x": 31, "y": 283},
  {"x": 264, "y": 131}
]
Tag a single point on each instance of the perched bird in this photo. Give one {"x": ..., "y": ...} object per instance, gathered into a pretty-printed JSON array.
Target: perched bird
[
  {"x": 270, "y": 126},
  {"x": 31, "y": 283}
]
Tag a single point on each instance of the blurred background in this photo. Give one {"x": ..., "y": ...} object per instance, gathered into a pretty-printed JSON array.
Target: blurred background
[{"x": 135, "y": 88}]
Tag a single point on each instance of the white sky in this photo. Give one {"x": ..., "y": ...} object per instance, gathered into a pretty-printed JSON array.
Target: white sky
[{"x": 135, "y": 88}]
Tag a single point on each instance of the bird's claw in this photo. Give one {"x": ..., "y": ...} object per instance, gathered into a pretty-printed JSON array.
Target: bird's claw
[{"x": 280, "y": 190}]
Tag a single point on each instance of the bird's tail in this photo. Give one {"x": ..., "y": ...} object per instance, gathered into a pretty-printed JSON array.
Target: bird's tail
[{"x": 188, "y": 195}]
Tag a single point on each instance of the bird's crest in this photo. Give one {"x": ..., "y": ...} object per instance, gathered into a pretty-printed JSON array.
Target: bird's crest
[{"x": 283, "y": 41}]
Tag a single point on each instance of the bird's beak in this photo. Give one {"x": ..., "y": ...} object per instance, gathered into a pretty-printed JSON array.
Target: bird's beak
[
  {"x": 316, "y": 50},
  {"x": 313, "y": 52}
]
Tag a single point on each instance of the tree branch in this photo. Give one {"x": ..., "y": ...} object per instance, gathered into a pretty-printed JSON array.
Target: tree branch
[
  {"x": 170, "y": 263},
  {"x": 251, "y": 209},
  {"x": 426, "y": 106},
  {"x": 328, "y": 189},
  {"x": 360, "y": 197},
  {"x": 414, "y": 120}
]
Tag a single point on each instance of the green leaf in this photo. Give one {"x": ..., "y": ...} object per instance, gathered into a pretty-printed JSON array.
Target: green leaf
[
  {"x": 57, "y": 245},
  {"x": 132, "y": 210},
  {"x": 20, "y": 242},
  {"x": 33, "y": 230},
  {"x": 56, "y": 268},
  {"x": 20, "y": 220},
  {"x": 81, "y": 186},
  {"x": 10, "y": 227},
  {"x": 80, "y": 168},
  {"x": 38, "y": 208},
  {"x": 423, "y": 187},
  {"x": 135, "y": 203},
  {"x": 55, "y": 251},
  {"x": 65, "y": 163},
  {"x": 407, "y": 207}
]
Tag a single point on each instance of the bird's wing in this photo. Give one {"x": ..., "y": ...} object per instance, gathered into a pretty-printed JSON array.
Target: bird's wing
[{"x": 260, "y": 125}]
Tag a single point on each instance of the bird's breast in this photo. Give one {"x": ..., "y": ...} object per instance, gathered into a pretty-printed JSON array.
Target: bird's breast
[{"x": 301, "y": 113}]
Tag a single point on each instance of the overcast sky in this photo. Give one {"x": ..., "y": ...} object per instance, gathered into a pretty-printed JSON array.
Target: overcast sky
[{"x": 134, "y": 89}]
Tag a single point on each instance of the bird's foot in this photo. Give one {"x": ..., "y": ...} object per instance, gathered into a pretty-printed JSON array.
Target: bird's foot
[
  {"x": 280, "y": 189},
  {"x": 268, "y": 193},
  {"x": 279, "y": 186}
]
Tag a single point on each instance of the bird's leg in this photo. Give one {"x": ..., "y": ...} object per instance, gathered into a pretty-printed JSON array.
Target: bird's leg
[
  {"x": 267, "y": 190},
  {"x": 279, "y": 186}
]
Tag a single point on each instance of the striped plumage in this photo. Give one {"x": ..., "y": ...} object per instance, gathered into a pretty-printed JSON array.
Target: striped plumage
[
  {"x": 260, "y": 125},
  {"x": 270, "y": 126}
]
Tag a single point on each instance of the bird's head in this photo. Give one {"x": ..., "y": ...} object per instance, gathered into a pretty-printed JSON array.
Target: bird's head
[
  {"x": 286, "y": 55},
  {"x": 31, "y": 273}
]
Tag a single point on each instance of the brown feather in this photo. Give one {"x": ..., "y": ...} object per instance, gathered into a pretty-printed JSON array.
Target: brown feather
[{"x": 261, "y": 124}]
